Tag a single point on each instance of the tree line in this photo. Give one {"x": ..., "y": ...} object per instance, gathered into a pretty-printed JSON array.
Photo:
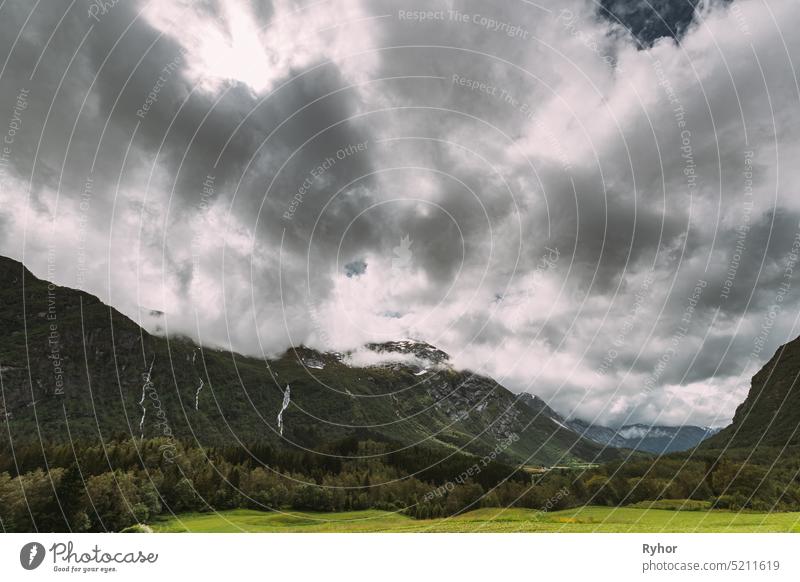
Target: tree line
[{"x": 115, "y": 485}]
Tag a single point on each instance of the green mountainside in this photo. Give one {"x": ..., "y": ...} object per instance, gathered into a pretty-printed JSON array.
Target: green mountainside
[
  {"x": 74, "y": 368},
  {"x": 770, "y": 415}
]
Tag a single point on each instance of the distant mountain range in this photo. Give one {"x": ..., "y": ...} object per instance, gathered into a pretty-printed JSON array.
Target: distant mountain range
[{"x": 639, "y": 437}]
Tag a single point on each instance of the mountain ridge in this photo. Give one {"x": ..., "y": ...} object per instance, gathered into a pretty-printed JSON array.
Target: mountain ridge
[
  {"x": 770, "y": 414},
  {"x": 73, "y": 367}
]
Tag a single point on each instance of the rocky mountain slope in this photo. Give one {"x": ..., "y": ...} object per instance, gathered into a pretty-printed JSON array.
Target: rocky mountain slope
[
  {"x": 770, "y": 415},
  {"x": 74, "y": 368}
]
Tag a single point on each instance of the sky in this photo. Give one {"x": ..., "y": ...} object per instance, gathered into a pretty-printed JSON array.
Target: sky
[{"x": 595, "y": 202}]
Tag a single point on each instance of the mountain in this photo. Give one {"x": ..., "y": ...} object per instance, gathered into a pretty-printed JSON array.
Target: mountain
[
  {"x": 639, "y": 437},
  {"x": 770, "y": 415},
  {"x": 74, "y": 368}
]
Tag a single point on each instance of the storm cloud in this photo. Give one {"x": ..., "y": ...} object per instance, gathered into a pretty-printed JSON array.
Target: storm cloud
[{"x": 593, "y": 202}]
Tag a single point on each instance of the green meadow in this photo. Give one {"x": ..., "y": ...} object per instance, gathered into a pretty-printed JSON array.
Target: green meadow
[{"x": 584, "y": 520}]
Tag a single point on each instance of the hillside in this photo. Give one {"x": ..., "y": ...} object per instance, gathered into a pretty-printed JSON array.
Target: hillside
[
  {"x": 74, "y": 368},
  {"x": 770, "y": 415}
]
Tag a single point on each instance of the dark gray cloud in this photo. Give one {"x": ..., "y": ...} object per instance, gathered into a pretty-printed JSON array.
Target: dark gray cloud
[{"x": 648, "y": 21}]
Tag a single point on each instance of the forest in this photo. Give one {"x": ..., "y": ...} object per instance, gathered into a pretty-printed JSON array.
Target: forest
[{"x": 119, "y": 484}]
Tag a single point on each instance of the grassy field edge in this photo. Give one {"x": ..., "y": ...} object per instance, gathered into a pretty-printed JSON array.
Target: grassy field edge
[{"x": 591, "y": 519}]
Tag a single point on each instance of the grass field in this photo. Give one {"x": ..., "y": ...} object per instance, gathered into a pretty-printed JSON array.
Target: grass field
[{"x": 586, "y": 519}]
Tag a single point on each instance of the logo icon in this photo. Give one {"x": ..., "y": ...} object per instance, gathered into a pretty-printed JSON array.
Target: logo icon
[{"x": 31, "y": 555}]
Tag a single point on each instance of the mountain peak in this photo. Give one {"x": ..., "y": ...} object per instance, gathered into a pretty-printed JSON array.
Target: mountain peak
[{"x": 418, "y": 348}]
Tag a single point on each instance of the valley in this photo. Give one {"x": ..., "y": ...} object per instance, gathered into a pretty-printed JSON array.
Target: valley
[{"x": 108, "y": 427}]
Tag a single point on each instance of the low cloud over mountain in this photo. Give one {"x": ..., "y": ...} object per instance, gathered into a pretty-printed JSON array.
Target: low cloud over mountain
[{"x": 590, "y": 203}]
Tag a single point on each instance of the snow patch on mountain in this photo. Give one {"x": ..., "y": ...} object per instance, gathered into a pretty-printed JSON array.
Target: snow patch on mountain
[{"x": 419, "y": 356}]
